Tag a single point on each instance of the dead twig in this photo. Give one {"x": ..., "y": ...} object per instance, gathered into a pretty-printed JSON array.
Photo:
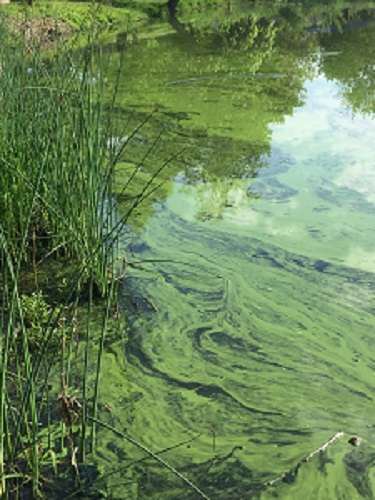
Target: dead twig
[
  {"x": 323, "y": 447},
  {"x": 290, "y": 476},
  {"x": 154, "y": 307},
  {"x": 68, "y": 406}
]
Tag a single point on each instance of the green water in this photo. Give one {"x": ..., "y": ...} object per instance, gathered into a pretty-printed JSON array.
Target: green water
[{"x": 252, "y": 317}]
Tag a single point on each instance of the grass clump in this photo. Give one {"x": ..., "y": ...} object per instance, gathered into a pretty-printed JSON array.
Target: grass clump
[
  {"x": 58, "y": 158},
  {"x": 37, "y": 315},
  {"x": 56, "y": 204},
  {"x": 57, "y": 168}
]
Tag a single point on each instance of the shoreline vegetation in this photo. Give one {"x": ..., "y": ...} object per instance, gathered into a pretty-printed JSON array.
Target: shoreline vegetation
[
  {"x": 50, "y": 23},
  {"x": 60, "y": 257},
  {"x": 60, "y": 263},
  {"x": 56, "y": 183}
]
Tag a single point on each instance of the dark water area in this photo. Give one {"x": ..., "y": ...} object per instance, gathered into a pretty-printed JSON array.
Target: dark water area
[{"x": 251, "y": 338}]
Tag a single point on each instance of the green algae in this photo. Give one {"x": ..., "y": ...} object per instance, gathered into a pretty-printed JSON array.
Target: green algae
[
  {"x": 272, "y": 360},
  {"x": 250, "y": 304}
]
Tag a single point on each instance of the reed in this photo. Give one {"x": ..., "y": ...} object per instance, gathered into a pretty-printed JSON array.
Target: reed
[
  {"x": 56, "y": 203},
  {"x": 57, "y": 207},
  {"x": 53, "y": 132}
]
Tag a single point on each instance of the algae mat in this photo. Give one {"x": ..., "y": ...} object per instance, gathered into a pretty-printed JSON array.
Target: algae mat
[
  {"x": 251, "y": 309},
  {"x": 252, "y": 335}
]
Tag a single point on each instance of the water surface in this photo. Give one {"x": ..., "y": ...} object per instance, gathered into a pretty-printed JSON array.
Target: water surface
[{"x": 252, "y": 318}]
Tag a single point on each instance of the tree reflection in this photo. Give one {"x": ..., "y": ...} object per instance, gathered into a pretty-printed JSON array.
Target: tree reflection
[
  {"x": 353, "y": 66},
  {"x": 221, "y": 80}
]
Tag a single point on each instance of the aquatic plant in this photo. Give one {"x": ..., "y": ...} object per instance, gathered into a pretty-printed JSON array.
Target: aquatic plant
[
  {"x": 56, "y": 204},
  {"x": 37, "y": 314},
  {"x": 56, "y": 166}
]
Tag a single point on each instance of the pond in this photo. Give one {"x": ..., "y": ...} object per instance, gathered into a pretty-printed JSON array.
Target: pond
[{"x": 251, "y": 308}]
